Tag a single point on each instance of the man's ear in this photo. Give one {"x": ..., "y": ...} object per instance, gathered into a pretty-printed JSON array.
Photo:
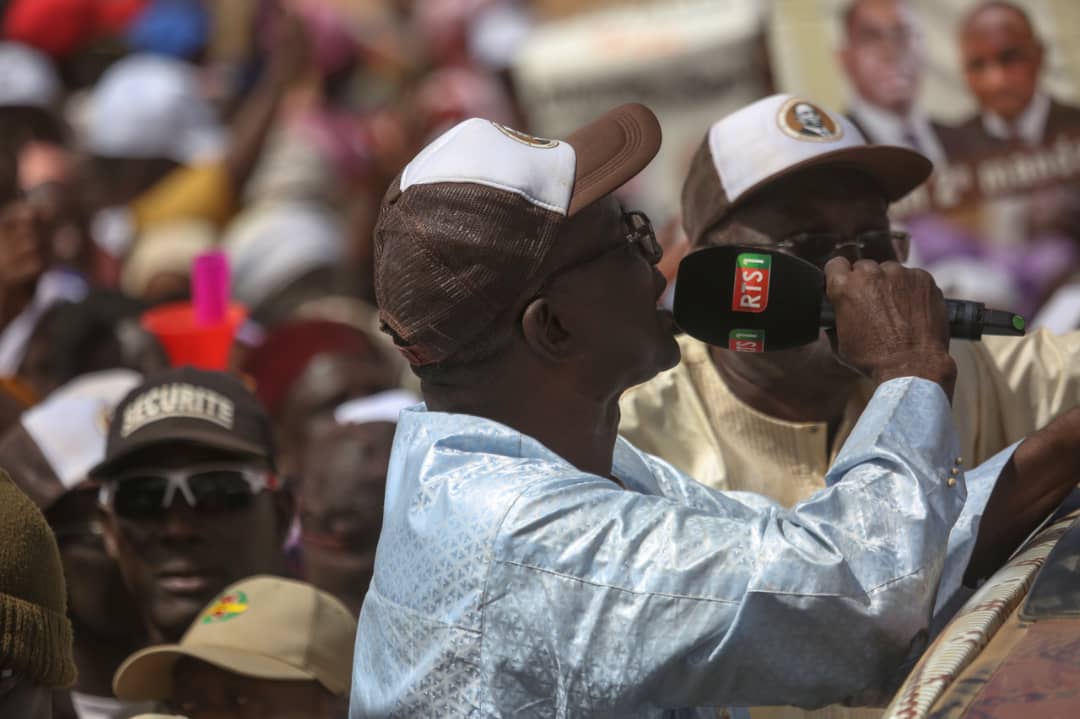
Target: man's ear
[{"x": 543, "y": 331}]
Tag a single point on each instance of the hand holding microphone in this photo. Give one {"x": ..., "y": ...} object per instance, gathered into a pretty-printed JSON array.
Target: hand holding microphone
[
  {"x": 891, "y": 321},
  {"x": 754, "y": 299}
]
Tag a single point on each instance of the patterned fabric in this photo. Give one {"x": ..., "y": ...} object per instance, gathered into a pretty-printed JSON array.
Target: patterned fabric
[{"x": 509, "y": 583}]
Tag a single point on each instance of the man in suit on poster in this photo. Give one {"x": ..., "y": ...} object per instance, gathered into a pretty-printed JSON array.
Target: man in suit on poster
[
  {"x": 882, "y": 56},
  {"x": 1002, "y": 59}
]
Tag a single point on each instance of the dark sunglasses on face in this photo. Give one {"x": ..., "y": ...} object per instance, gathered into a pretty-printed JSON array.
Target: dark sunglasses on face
[
  {"x": 820, "y": 247},
  {"x": 148, "y": 493},
  {"x": 639, "y": 235}
]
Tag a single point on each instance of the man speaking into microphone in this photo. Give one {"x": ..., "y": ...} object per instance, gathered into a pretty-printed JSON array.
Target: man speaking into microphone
[
  {"x": 531, "y": 563},
  {"x": 773, "y": 422}
]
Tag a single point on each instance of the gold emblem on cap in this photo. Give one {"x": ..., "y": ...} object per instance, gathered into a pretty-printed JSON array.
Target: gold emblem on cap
[
  {"x": 541, "y": 142},
  {"x": 804, "y": 120}
]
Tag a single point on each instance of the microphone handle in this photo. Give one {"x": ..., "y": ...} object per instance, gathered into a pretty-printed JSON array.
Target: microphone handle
[{"x": 968, "y": 320}]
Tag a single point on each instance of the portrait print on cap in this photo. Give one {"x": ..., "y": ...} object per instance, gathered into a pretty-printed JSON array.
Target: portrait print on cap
[{"x": 804, "y": 120}]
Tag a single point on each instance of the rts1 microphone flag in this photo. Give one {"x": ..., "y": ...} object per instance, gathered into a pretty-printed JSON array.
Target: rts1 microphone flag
[{"x": 753, "y": 299}]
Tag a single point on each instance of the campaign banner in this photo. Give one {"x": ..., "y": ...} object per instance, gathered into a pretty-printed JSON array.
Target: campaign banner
[{"x": 990, "y": 92}]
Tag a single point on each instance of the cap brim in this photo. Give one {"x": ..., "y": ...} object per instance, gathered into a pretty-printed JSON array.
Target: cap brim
[
  {"x": 897, "y": 170},
  {"x": 610, "y": 151},
  {"x": 147, "y": 675},
  {"x": 209, "y": 439}
]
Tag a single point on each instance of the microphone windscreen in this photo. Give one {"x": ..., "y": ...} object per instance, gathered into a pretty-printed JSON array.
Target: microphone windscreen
[{"x": 749, "y": 299}]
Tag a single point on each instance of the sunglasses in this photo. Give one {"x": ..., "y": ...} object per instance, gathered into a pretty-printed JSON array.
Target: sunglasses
[
  {"x": 148, "y": 493},
  {"x": 639, "y": 235},
  {"x": 820, "y": 247}
]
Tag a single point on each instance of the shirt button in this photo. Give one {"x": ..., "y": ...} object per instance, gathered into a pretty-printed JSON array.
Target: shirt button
[
  {"x": 955, "y": 470},
  {"x": 951, "y": 482},
  {"x": 959, "y": 460}
]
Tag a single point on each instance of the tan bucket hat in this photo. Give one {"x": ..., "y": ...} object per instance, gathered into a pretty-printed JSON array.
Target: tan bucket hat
[{"x": 262, "y": 627}]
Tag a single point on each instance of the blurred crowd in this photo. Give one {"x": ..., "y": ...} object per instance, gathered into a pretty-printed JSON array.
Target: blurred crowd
[
  {"x": 136, "y": 135},
  {"x": 139, "y": 135}
]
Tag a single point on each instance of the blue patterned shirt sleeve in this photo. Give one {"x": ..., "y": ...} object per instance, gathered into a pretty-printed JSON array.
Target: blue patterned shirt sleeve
[{"x": 509, "y": 583}]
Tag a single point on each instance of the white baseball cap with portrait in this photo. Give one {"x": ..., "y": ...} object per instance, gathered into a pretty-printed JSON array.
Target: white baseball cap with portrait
[
  {"x": 262, "y": 627},
  {"x": 774, "y": 137}
]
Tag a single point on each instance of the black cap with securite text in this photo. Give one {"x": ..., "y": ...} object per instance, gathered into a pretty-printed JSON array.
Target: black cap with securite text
[{"x": 187, "y": 406}]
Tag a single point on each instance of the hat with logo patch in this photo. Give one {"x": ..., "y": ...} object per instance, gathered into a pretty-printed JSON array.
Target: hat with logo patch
[
  {"x": 187, "y": 406},
  {"x": 467, "y": 225},
  {"x": 772, "y": 138},
  {"x": 261, "y": 627}
]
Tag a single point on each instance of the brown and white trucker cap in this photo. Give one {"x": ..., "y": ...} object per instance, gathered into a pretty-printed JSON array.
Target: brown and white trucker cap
[
  {"x": 466, "y": 227},
  {"x": 261, "y": 627},
  {"x": 773, "y": 138}
]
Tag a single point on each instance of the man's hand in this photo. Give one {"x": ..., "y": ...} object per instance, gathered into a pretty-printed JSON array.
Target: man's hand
[
  {"x": 890, "y": 321},
  {"x": 1040, "y": 475}
]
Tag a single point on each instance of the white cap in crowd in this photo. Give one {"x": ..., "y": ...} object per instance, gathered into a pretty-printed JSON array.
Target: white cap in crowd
[
  {"x": 149, "y": 106},
  {"x": 274, "y": 243},
  {"x": 70, "y": 426},
  {"x": 27, "y": 78},
  {"x": 382, "y": 407}
]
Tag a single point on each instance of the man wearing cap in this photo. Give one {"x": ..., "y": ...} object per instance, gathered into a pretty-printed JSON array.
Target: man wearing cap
[
  {"x": 532, "y": 563},
  {"x": 35, "y": 634},
  {"x": 773, "y": 423},
  {"x": 264, "y": 648},
  {"x": 190, "y": 496}
]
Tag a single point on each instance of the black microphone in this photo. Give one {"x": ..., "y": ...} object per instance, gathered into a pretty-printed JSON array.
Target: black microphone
[{"x": 753, "y": 299}]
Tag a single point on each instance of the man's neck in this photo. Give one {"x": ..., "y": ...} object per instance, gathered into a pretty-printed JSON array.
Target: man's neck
[
  {"x": 788, "y": 395},
  {"x": 579, "y": 429}
]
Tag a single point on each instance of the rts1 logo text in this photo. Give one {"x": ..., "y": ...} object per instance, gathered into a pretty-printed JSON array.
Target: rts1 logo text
[{"x": 751, "y": 282}]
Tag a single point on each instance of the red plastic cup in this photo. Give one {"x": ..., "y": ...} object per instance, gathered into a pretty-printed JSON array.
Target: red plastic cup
[{"x": 188, "y": 343}]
